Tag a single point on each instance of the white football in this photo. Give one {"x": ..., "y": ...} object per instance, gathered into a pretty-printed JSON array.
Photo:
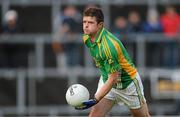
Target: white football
[{"x": 76, "y": 94}]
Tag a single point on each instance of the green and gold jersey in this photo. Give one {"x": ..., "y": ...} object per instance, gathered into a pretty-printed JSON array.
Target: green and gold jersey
[{"x": 110, "y": 56}]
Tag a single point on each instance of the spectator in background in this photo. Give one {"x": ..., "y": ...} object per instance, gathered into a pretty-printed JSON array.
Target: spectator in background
[
  {"x": 67, "y": 32},
  {"x": 10, "y": 25},
  {"x": 134, "y": 22},
  {"x": 12, "y": 55},
  {"x": 120, "y": 27},
  {"x": 153, "y": 24},
  {"x": 170, "y": 22}
]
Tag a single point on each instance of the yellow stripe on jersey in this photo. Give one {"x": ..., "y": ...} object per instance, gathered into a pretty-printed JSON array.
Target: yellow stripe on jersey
[
  {"x": 122, "y": 60},
  {"x": 104, "y": 47},
  {"x": 108, "y": 50},
  {"x": 99, "y": 47}
]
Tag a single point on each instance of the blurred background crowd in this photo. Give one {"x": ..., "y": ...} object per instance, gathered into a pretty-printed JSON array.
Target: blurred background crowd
[
  {"x": 43, "y": 40},
  {"x": 124, "y": 22}
]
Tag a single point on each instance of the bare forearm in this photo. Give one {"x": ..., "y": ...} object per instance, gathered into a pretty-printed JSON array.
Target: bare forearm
[{"x": 105, "y": 89}]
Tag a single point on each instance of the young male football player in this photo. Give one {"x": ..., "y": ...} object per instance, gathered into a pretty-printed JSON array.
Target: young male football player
[{"x": 119, "y": 81}]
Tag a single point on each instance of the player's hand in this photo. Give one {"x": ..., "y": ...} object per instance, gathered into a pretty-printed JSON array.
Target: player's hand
[{"x": 87, "y": 104}]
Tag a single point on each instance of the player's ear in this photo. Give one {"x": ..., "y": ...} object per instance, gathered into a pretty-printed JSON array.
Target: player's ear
[{"x": 101, "y": 24}]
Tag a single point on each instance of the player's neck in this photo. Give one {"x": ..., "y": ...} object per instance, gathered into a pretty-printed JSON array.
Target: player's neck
[{"x": 94, "y": 36}]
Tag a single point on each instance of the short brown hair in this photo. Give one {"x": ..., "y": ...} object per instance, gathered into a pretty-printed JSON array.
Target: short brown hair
[{"x": 94, "y": 12}]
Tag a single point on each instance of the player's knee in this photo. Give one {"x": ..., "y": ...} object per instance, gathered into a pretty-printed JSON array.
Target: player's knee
[
  {"x": 141, "y": 114},
  {"x": 147, "y": 114},
  {"x": 96, "y": 112}
]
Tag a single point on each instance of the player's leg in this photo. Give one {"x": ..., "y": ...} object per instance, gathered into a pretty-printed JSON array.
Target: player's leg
[
  {"x": 102, "y": 108},
  {"x": 141, "y": 112}
]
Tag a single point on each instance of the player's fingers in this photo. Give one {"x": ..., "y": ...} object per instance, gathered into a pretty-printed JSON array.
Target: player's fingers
[{"x": 80, "y": 107}]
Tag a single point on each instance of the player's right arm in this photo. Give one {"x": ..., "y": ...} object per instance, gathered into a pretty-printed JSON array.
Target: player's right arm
[{"x": 113, "y": 79}]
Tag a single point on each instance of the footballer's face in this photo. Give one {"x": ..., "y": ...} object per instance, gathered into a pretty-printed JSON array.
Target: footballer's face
[{"x": 90, "y": 25}]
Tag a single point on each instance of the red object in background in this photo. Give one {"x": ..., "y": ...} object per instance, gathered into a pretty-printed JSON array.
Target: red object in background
[{"x": 171, "y": 23}]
